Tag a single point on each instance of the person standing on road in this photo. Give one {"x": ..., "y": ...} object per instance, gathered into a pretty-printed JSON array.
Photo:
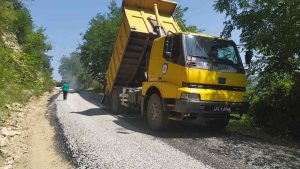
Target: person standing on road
[{"x": 65, "y": 89}]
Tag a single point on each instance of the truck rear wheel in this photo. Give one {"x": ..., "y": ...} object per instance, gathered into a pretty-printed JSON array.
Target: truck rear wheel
[
  {"x": 115, "y": 104},
  {"x": 157, "y": 118}
]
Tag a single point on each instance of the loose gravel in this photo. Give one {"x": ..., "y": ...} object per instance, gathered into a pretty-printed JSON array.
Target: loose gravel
[{"x": 97, "y": 139}]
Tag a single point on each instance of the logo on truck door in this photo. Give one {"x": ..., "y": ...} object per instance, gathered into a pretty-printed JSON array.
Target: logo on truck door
[{"x": 164, "y": 69}]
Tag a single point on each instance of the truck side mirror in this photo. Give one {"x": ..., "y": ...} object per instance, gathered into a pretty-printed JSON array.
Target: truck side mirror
[{"x": 248, "y": 56}]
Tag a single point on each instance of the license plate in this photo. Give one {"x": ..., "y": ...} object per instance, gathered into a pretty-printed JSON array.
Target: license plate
[{"x": 222, "y": 109}]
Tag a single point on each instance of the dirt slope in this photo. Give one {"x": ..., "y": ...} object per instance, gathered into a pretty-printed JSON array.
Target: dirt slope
[{"x": 35, "y": 147}]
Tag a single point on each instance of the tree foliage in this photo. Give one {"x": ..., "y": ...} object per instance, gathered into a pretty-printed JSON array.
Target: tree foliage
[
  {"x": 25, "y": 69},
  {"x": 70, "y": 66},
  {"x": 272, "y": 29},
  {"x": 72, "y": 71},
  {"x": 98, "y": 41},
  {"x": 7, "y": 15}
]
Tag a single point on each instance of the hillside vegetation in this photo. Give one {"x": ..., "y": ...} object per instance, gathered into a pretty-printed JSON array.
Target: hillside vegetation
[{"x": 25, "y": 69}]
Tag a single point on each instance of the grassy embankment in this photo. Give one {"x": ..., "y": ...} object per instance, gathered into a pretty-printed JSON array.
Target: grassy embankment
[{"x": 25, "y": 69}]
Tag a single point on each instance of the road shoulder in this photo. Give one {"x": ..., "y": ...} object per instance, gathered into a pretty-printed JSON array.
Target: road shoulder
[{"x": 35, "y": 145}]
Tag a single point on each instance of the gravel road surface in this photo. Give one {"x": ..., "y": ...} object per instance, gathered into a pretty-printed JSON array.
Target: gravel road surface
[{"x": 97, "y": 139}]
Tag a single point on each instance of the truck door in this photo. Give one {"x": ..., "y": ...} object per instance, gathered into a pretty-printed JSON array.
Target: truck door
[{"x": 173, "y": 69}]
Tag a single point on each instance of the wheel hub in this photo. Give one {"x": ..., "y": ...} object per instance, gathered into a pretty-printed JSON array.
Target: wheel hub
[{"x": 154, "y": 112}]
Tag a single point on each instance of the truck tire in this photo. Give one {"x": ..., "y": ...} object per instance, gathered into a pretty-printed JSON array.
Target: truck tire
[
  {"x": 115, "y": 104},
  {"x": 217, "y": 124},
  {"x": 157, "y": 118}
]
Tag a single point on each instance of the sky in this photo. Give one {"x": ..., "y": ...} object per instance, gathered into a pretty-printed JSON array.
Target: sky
[{"x": 66, "y": 20}]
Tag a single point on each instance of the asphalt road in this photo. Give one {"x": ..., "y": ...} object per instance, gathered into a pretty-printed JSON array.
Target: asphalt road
[{"x": 96, "y": 139}]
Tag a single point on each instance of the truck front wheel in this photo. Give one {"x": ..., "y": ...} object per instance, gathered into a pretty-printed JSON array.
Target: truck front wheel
[{"x": 157, "y": 118}]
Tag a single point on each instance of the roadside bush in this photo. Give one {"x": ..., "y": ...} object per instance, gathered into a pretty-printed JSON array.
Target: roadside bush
[
  {"x": 18, "y": 74},
  {"x": 275, "y": 104},
  {"x": 294, "y": 127},
  {"x": 25, "y": 69}
]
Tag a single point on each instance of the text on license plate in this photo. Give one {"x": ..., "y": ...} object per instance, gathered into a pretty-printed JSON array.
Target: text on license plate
[{"x": 222, "y": 109}]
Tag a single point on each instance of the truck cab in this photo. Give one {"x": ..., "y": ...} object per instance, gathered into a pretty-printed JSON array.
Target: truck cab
[{"x": 196, "y": 77}]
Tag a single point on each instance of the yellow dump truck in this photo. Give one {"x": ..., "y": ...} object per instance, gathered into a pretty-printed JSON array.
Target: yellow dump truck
[{"x": 169, "y": 74}]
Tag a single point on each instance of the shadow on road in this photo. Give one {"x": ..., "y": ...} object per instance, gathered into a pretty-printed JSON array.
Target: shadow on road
[
  {"x": 134, "y": 122},
  {"x": 91, "y": 97},
  {"x": 176, "y": 129},
  {"x": 93, "y": 112}
]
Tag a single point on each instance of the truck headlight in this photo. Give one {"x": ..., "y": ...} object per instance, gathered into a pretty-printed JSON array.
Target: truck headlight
[{"x": 190, "y": 96}]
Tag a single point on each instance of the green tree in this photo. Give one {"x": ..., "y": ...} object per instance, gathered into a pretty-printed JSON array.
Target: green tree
[
  {"x": 99, "y": 39},
  {"x": 15, "y": 18},
  {"x": 70, "y": 66},
  {"x": 24, "y": 65},
  {"x": 272, "y": 29},
  {"x": 71, "y": 70}
]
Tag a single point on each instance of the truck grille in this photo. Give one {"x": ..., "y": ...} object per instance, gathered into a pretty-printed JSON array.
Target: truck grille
[{"x": 215, "y": 87}]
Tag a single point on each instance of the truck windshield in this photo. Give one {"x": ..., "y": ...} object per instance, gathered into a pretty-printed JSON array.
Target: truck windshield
[{"x": 207, "y": 53}]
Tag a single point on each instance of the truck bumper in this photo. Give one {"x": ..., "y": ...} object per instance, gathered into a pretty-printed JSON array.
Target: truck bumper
[{"x": 210, "y": 109}]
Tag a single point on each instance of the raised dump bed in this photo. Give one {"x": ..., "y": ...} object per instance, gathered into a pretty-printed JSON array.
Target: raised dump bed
[{"x": 128, "y": 62}]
